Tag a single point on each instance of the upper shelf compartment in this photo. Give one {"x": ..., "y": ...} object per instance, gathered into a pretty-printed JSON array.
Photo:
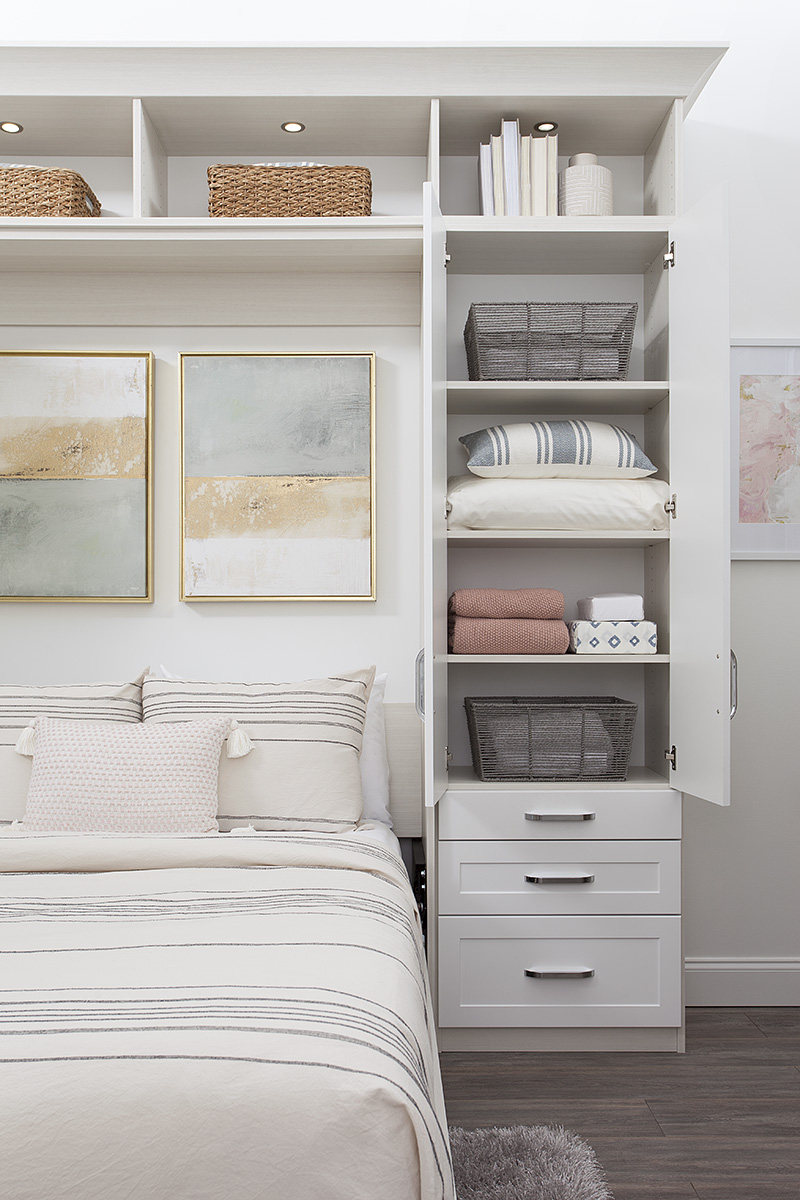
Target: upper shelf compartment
[{"x": 408, "y": 112}]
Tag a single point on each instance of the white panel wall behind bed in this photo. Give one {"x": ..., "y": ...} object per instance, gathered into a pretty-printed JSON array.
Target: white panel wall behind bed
[{"x": 248, "y": 640}]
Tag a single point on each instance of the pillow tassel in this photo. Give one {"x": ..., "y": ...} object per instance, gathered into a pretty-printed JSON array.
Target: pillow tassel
[
  {"x": 239, "y": 742},
  {"x": 26, "y": 741}
]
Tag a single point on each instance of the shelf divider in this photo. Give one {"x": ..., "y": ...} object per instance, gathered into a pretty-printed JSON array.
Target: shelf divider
[
  {"x": 578, "y": 398},
  {"x": 550, "y": 660}
]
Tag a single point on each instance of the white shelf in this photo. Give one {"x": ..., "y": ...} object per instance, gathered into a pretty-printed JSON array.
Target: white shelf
[
  {"x": 526, "y": 538},
  {"x": 554, "y": 245},
  {"x": 203, "y": 244},
  {"x": 581, "y": 398},
  {"x": 639, "y": 779},
  {"x": 550, "y": 660}
]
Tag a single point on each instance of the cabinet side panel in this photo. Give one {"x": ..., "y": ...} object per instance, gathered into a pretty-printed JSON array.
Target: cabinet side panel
[
  {"x": 432, "y": 174},
  {"x": 662, "y": 172},
  {"x": 656, "y": 320},
  {"x": 656, "y": 682},
  {"x": 430, "y": 836},
  {"x": 149, "y": 167},
  {"x": 434, "y": 459}
]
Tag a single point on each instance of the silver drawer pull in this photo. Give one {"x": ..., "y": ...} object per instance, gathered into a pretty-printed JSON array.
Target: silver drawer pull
[
  {"x": 559, "y": 878},
  {"x": 586, "y": 816},
  {"x": 559, "y": 974}
]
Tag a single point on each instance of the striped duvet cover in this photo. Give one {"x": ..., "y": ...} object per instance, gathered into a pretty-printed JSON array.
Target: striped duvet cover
[{"x": 216, "y": 1017}]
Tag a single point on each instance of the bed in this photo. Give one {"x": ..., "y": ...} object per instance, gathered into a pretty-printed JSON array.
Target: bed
[{"x": 205, "y": 1015}]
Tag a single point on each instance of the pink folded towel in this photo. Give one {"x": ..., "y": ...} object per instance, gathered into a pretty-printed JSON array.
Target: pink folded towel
[
  {"x": 476, "y": 635},
  {"x": 539, "y": 604}
]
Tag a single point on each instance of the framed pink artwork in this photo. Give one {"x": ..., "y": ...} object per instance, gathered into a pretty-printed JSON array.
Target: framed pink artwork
[{"x": 765, "y": 449}]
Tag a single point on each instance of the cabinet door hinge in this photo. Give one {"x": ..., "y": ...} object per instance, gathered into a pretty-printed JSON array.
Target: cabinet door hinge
[
  {"x": 448, "y": 758},
  {"x": 672, "y": 758},
  {"x": 671, "y": 506},
  {"x": 669, "y": 256},
  {"x": 446, "y": 257}
]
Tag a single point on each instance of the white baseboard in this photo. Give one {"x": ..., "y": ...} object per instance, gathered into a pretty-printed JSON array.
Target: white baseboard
[{"x": 742, "y": 982}]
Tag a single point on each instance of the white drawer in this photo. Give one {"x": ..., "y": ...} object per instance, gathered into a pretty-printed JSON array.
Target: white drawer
[
  {"x": 539, "y": 878},
  {"x": 590, "y": 971},
  {"x": 559, "y": 815}
]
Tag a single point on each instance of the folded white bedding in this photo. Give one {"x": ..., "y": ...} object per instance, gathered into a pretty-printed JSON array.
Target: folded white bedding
[
  {"x": 574, "y": 504},
  {"x": 611, "y": 606}
]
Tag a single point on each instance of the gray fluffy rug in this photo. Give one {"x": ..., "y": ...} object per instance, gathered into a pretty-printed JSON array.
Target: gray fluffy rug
[{"x": 525, "y": 1162}]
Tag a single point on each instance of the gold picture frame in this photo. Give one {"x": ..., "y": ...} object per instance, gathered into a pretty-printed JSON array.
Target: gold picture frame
[
  {"x": 76, "y": 478},
  {"x": 277, "y": 476}
]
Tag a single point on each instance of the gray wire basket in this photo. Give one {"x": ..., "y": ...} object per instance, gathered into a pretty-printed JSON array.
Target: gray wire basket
[
  {"x": 550, "y": 738},
  {"x": 558, "y": 340}
]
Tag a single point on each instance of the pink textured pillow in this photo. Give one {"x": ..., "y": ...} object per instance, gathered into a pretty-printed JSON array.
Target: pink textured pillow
[{"x": 103, "y": 777}]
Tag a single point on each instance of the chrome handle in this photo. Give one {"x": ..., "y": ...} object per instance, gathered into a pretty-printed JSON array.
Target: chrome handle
[
  {"x": 734, "y": 685},
  {"x": 559, "y": 974},
  {"x": 585, "y": 816},
  {"x": 419, "y": 684},
  {"x": 559, "y": 878}
]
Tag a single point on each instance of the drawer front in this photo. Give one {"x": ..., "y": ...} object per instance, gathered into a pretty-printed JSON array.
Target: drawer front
[
  {"x": 544, "y": 878},
  {"x": 515, "y": 972},
  {"x": 558, "y": 815}
]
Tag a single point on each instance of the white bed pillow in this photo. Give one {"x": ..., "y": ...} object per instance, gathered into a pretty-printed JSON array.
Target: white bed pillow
[
  {"x": 374, "y": 761},
  {"x": 107, "y": 777},
  {"x": 303, "y": 772},
  {"x": 576, "y": 504},
  {"x": 556, "y": 450},
  {"x": 20, "y": 703}
]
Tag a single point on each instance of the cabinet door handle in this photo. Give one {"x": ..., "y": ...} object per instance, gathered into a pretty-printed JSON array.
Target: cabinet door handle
[
  {"x": 734, "y": 685},
  {"x": 559, "y": 878},
  {"x": 584, "y": 816},
  {"x": 419, "y": 684},
  {"x": 587, "y": 974}
]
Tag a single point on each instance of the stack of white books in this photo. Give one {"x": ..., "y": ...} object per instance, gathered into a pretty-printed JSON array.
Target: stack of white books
[{"x": 519, "y": 175}]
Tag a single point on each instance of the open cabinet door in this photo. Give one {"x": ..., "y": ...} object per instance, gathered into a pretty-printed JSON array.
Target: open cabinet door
[
  {"x": 699, "y": 478},
  {"x": 434, "y": 458}
]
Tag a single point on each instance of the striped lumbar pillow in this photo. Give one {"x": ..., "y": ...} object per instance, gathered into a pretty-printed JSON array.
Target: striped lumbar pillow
[
  {"x": 303, "y": 771},
  {"x": 21, "y": 703},
  {"x": 557, "y": 450}
]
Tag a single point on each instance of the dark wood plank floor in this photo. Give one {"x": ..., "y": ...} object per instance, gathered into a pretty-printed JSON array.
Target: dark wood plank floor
[{"x": 720, "y": 1122}]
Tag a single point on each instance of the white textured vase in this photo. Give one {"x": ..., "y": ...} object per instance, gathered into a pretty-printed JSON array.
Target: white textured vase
[{"x": 585, "y": 189}]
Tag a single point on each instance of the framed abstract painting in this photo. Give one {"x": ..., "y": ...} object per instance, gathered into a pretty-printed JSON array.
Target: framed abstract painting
[
  {"x": 765, "y": 447},
  {"x": 76, "y": 508},
  {"x": 278, "y": 480}
]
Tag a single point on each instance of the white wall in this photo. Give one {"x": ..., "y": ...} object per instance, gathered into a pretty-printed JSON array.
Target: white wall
[{"x": 250, "y": 640}]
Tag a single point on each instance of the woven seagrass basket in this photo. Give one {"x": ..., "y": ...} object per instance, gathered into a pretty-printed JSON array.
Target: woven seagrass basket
[
  {"x": 45, "y": 192},
  {"x": 550, "y": 340},
  {"x": 550, "y": 737},
  {"x": 239, "y": 190}
]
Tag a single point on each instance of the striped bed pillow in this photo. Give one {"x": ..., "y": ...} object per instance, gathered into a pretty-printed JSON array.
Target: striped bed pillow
[
  {"x": 21, "y": 703},
  {"x": 303, "y": 771},
  {"x": 556, "y": 450}
]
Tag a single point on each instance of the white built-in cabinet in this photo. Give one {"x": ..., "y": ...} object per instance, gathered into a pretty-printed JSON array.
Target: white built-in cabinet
[
  {"x": 563, "y": 964},
  {"x": 559, "y": 905}
]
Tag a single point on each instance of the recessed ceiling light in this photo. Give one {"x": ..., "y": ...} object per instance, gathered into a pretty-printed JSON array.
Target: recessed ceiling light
[
  {"x": 10, "y": 127},
  {"x": 546, "y": 127},
  {"x": 292, "y": 127}
]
